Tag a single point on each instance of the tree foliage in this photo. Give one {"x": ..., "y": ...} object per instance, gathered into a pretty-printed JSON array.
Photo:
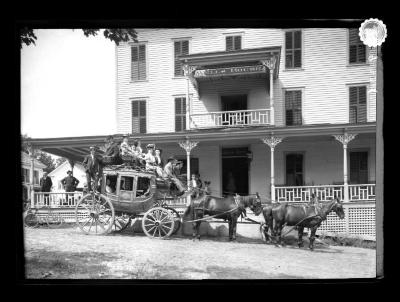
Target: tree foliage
[
  {"x": 27, "y": 36},
  {"x": 60, "y": 160},
  {"x": 46, "y": 159},
  {"x": 117, "y": 35}
]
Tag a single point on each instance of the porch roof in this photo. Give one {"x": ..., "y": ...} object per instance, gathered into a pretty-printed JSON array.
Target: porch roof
[
  {"x": 202, "y": 60},
  {"x": 75, "y": 148}
]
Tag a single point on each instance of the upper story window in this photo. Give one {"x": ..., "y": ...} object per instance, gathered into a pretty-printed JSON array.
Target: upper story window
[
  {"x": 25, "y": 175},
  {"x": 357, "y": 50},
  {"x": 138, "y": 59},
  {"x": 139, "y": 116},
  {"x": 293, "y": 107},
  {"x": 293, "y": 49},
  {"x": 180, "y": 114},
  {"x": 358, "y": 104},
  {"x": 233, "y": 42},
  {"x": 180, "y": 48},
  {"x": 36, "y": 177}
]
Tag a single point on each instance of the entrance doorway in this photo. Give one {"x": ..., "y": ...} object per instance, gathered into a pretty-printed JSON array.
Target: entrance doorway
[
  {"x": 233, "y": 102},
  {"x": 235, "y": 171}
]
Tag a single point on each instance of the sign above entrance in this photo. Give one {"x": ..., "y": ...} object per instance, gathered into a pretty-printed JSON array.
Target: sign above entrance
[{"x": 227, "y": 71}]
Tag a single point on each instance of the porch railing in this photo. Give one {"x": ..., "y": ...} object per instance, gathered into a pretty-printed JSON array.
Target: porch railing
[
  {"x": 55, "y": 199},
  {"x": 362, "y": 192},
  {"x": 231, "y": 118},
  {"x": 359, "y": 192}
]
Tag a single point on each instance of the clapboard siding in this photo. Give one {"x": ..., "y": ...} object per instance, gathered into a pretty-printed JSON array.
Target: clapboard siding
[{"x": 324, "y": 77}]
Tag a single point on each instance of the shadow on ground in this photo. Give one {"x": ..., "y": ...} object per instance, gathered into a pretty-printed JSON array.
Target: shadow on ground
[{"x": 44, "y": 264}]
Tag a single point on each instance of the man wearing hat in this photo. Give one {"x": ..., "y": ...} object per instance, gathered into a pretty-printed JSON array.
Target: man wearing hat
[
  {"x": 93, "y": 168},
  {"x": 170, "y": 173},
  {"x": 45, "y": 185},
  {"x": 112, "y": 147},
  {"x": 70, "y": 183}
]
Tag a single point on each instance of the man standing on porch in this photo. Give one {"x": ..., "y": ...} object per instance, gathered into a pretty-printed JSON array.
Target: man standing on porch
[
  {"x": 70, "y": 183},
  {"x": 45, "y": 186}
]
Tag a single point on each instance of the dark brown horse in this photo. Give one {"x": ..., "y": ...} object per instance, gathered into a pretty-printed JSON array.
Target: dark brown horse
[
  {"x": 227, "y": 208},
  {"x": 303, "y": 216}
]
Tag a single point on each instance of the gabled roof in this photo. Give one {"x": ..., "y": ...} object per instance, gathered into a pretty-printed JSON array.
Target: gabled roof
[{"x": 55, "y": 171}]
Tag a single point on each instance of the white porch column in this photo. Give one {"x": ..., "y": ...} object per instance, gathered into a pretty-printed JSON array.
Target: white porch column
[
  {"x": 272, "y": 142},
  {"x": 345, "y": 139},
  {"x": 188, "y": 146},
  {"x": 372, "y": 58},
  {"x": 72, "y": 164},
  {"x": 270, "y": 64},
  {"x": 32, "y": 152}
]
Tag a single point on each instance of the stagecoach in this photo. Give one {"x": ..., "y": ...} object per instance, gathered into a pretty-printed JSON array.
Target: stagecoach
[{"x": 127, "y": 194}]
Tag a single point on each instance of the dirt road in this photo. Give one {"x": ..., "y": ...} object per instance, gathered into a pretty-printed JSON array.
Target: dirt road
[{"x": 67, "y": 253}]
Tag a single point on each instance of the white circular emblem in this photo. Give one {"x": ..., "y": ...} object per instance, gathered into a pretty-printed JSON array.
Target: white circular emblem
[{"x": 372, "y": 32}]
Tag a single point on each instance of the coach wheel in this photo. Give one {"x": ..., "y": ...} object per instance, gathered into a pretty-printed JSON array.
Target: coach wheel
[
  {"x": 31, "y": 220},
  {"x": 177, "y": 219},
  {"x": 158, "y": 223},
  {"x": 94, "y": 214}
]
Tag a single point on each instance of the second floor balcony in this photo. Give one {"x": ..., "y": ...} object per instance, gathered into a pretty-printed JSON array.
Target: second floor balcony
[{"x": 236, "y": 118}]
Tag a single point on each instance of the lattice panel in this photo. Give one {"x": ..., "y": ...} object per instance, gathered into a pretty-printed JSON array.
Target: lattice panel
[
  {"x": 333, "y": 224},
  {"x": 362, "y": 221},
  {"x": 68, "y": 216}
]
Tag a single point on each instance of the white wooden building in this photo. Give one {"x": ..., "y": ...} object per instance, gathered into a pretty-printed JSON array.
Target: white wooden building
[
  {"x": 30, "y": 177},
  {"x": 285, "y": 112},
  {"x": 59, "y": 173}
]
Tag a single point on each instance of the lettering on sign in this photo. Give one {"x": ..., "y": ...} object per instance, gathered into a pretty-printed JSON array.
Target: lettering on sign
[{"x": 230, "y": 71}]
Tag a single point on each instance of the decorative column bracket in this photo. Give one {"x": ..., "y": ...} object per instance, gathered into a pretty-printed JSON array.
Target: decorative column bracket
[
  {"x": 345, "y": 138},
  {"x": 270, "y": 63},
  {"x": 188, "y": 145},
  {"x": 272, "y": 141},
  {"x": 188, "y": 71}
]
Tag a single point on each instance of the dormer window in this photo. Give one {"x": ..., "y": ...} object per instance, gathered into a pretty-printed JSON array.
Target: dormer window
[{"x": 233, "y": 42}]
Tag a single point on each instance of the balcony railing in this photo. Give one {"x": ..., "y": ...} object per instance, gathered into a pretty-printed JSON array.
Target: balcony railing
[
  {"x": 361, "y": 192},
  {"x": 231, "y": 118}
]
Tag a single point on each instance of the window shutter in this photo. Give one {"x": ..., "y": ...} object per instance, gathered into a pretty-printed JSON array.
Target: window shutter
[
  {"x": 134, "y": 53},
  {"x": 180, "y": 114},
  {"x": 357, "y": 50},
  {"x": 142, "y": 62},
  {"x": 139, "y": 117},
  {"x": 238, "y": 42},
  {"x": 135, "y": 63},
  {"x": 353, "y": 95},
  {"x": 297, "y": 58},
  {"x": 297, "y": 39},
  {"x": 185, "y": 47},
  {"x": 288, "y": 40},
  {"x": 180, "y": 48},
  {"x": 229, "y": 43}
]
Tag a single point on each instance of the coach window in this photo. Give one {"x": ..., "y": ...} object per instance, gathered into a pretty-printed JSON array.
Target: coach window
[{"x": 142, "y": 187}]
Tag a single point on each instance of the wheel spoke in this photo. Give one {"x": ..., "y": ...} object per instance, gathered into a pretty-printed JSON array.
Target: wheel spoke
[
  {"x": 86, "y": 222},
  {"x": 155, "y": 230},
  {"x": 91, "y": 225},
  {"x": 101, "y": 225},
  {"x": 149, "y": 230},
  {"x": 164, "y": 226}
]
